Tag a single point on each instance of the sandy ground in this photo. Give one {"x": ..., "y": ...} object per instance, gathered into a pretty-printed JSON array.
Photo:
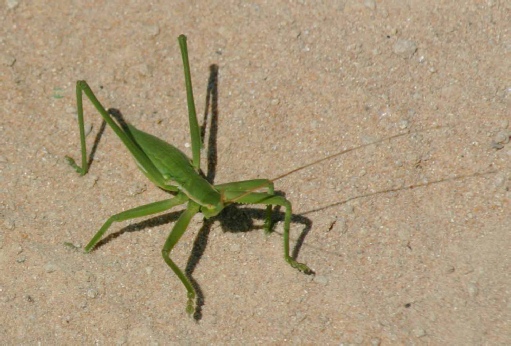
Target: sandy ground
[{"x": 297, "y": 81}]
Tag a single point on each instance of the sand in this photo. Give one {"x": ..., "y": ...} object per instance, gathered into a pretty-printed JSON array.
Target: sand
[{"x": 409, "y": 238}]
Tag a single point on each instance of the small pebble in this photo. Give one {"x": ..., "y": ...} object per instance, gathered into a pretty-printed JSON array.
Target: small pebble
[
  {"x": 21, "y": 259},
  {"x": 449, "y": 269},
  {"x": 9, "y": 224},
  {"x": 340, "y": 225},
  {"x": 375, "y": 341},
  {"x": 92, "y": 293},
  {"x": 235, "y": 247},
  {"x": 152, "y": 30},
  {"x": 137, "y": 189},
  {"x": 404, "y": 124},
  {"x": 88, "y": 129},
  {"x": 50, "y": 267},
  {"x": 92, "y": 179},
  {"x": 371, "y": 4},
  {"x": 502, "y": 137},
  {"x": 12, "y": 4},
  {"x": 405, "y": 48},
  {"x": 321, "y": 279},
  {"x": 472, "y": 289},
  {"x": 419, "y": 332},
  {"x": 7, "y": 60}
]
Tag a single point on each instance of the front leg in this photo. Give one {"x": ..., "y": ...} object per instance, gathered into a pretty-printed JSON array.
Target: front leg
[{"x": 144, "y": 210}]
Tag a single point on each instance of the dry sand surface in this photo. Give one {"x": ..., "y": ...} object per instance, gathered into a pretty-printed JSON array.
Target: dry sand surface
[{"x": 410, "y": 238}]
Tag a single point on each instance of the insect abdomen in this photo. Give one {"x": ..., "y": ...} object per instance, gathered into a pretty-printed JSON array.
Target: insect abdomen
[{"x": 177, "y": 167}]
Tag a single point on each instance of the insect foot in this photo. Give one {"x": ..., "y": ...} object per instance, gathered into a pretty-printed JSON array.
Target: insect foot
[
  {"x": 300, "y": 266},
  {"x": 73, "y": 164},
  {"x": 190, "y": 306},
  {"x": 268, "y": 224}
]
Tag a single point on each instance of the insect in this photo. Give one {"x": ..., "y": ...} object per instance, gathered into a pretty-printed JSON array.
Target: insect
[{"x": 171, "y": 170}]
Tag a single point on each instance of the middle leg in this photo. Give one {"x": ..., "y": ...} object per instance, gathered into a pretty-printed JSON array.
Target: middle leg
[{"x": 248, "y": 186}]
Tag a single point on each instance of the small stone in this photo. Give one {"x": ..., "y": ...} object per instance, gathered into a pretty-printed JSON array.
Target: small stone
[
  {"x": 21, "y": 259},
  {"x": 375, "y": 341},
  {"x": 152, "y": 30},
  {"x": 502, "y": 137},
  {"x": 496, "y": 145},
  {"x": 449, "y": 269},
  {"x": 321, "y": 279},
  {"x": 419, "y": 332},
  {"x": 92, "y": 179},
  {"x": 432, "y": 317},
  {"x": 92, "y": 293},
  {"x": 405, "y": 48},
  {"x": 87, "y": 128},
  {"x": 371, "y": 4},
  {"x": 235, "y": 247},
  {"x": 9, "y": 224},
  {"x": 358, "y": 339},
  {"x": 16, "y": 248},
  {"x": 50, "y": 267},
  {"x": 339, "y": 225},
  {"x": 137, "y": 189},
  {"x": 348, "y": 209},
  {"x": 12, "y": 4},
  {"x": 472, "y": 289},
  {"x": 7, "y": 60}
]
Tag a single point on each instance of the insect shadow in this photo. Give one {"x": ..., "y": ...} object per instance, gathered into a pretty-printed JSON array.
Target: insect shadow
[{"x": 233, "y": 218}]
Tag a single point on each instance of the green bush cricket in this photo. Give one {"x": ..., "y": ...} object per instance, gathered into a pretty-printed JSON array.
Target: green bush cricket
[{"x": 171, "y": 170}]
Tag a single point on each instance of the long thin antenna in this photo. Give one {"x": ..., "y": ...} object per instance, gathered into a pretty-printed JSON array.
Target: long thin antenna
[
  {"x": 402, "y": 188},
  {"x": 329, "y": 157}
]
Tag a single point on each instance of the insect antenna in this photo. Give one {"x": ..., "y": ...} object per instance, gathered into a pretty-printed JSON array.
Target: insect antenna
[
  {"x": 332, "y": 156},
  {"x": 396, "y": 189},
  {"x": 342, "y": 152}
]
